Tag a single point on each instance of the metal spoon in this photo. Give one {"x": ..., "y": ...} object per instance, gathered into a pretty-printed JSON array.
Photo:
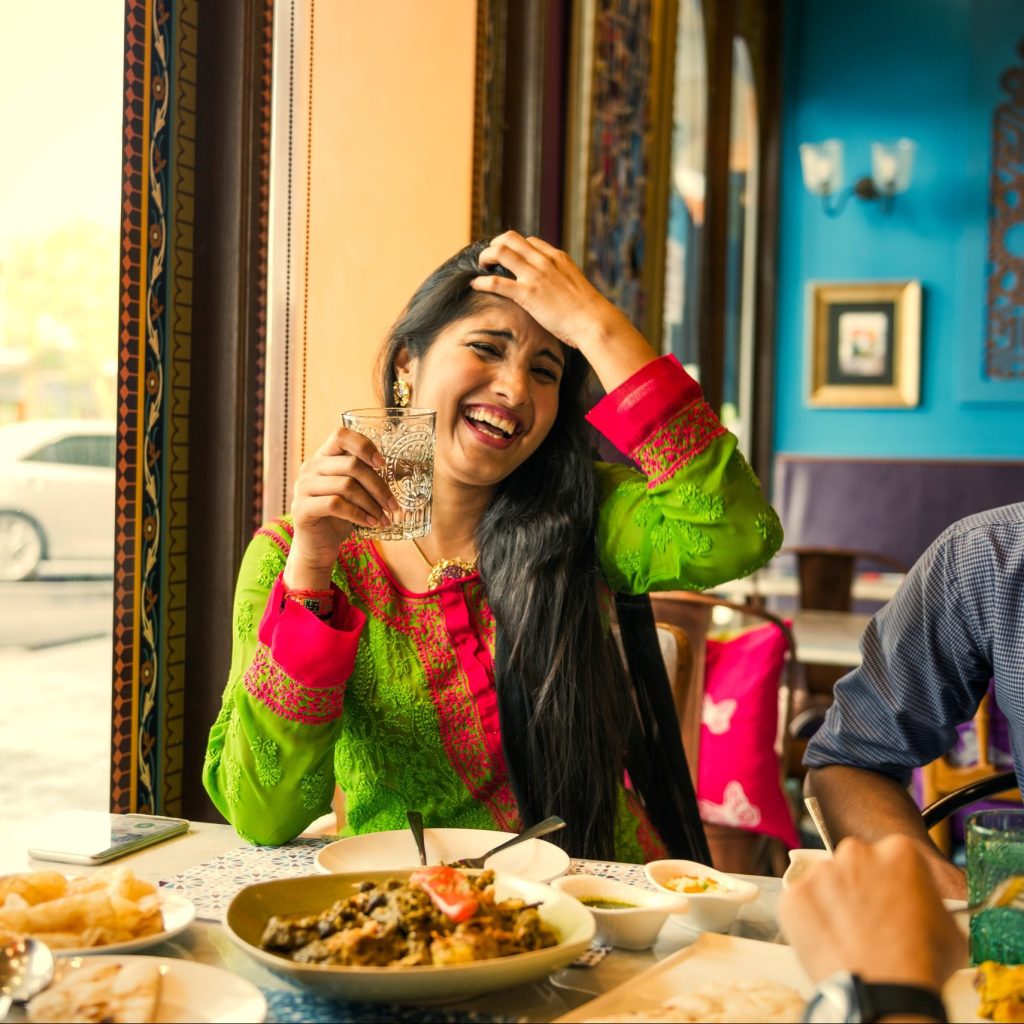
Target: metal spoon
[
  {"x": 26, "y": 968},
  {"x": 542, "y": 828},
  {"x": 814, "y": 809},
  {"x": 416, "y": 824}
]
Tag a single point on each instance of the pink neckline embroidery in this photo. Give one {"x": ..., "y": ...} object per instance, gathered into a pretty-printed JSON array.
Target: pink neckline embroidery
[{"x": 454, "y": 648}]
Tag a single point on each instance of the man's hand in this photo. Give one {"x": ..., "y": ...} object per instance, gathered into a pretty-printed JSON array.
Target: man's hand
[{"x": 874, "y": 911}]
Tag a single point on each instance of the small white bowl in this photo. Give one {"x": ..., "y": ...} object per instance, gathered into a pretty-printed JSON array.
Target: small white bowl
[
  {"x": 799, "y": 862},
  {"x": 633, "y": 927},
  {"x": 709, "y": 911}
]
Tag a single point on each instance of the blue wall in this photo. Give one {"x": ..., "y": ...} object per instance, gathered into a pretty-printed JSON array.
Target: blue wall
[{"x": 879, "y": 69}]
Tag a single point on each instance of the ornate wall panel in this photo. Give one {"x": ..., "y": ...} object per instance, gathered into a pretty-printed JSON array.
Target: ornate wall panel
[
  {"x": 618, "y": 157},
  {"x": 1004, "y": 305}
]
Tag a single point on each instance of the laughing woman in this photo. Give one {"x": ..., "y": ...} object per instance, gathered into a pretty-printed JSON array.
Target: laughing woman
[{"x": 497, "y": 697}]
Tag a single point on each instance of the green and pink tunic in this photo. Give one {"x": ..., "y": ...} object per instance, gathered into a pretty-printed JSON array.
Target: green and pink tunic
[{"x": 394, "y": 699}]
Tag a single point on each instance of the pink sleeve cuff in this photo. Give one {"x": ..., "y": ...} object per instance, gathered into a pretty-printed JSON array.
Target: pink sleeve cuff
[
  {"x": 314, "y": 653},
  {"x": 640, "y": 405}
]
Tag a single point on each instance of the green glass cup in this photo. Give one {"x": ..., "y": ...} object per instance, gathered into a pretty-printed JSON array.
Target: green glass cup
[{"x": 995, "y": 850}]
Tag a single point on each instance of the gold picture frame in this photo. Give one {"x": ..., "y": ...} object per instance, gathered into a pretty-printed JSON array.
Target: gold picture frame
[{"x": 864, "y": 345}]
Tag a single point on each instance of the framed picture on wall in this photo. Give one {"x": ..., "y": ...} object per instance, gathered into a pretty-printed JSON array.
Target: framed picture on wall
[{"x": 864, "y": 343}]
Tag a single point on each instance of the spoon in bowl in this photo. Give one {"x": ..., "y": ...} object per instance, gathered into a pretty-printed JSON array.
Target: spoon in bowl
[{"x": 26, "y": 968}]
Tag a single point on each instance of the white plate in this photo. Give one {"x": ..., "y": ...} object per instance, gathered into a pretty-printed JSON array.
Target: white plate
[
  {"x": 178, "y": 912},
  {"x": 196, "y": 992},
  {"x": 728, "y": 959},
  {"x": 711, "y": 958},
  {"x": 961, "y": 999},
  {"x": 536, "y": 859},
  {"x": 250, "y": 910}
]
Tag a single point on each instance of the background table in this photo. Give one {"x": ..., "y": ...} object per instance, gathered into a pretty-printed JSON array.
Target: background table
[
  {"x": 205, "y": 863},
  {"x": 867, "y": 586},
  {"x": 828, "y": 638}
]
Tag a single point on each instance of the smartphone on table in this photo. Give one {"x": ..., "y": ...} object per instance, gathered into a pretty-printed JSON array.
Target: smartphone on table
[{"x": 95, "y": 837}]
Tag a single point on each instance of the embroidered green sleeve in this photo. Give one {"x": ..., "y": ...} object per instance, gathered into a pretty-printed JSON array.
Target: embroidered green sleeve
[
  {"x": 706, "y": 523},
  {"x": 269, "y": 759}
]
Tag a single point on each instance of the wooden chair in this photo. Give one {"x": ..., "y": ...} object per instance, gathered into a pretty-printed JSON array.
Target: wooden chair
[
  {"x": 684, "y": 621},
  {"x": 1002, "y": 786},
  {"x": 826, "y": 574},
  {"x": 949, "y": 787}
]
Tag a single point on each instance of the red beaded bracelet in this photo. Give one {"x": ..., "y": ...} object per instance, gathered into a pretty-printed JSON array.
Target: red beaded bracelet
[{"x": 319, "y": 602}]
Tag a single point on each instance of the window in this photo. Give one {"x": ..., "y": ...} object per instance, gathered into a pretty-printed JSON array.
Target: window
[{"x": 61, "y": 91}]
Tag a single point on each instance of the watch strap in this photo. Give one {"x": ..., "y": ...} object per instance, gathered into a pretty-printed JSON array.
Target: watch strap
[{"x": 884, "y": 1000}]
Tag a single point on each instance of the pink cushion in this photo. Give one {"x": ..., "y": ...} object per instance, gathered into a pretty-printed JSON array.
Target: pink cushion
[{"x": 739, "y": 779}]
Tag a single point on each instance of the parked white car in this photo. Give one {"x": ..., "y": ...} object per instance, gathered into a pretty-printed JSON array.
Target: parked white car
[{"x": 56, "y": 494}]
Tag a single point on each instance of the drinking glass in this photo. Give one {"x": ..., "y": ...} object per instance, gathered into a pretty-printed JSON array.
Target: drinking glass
[
  {"x": 405, "y": 440},
  {"x": 995, "y": 849}
]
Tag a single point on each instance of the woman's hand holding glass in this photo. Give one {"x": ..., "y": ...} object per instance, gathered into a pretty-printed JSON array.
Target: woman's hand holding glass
[{"x": 338, "y": 488}]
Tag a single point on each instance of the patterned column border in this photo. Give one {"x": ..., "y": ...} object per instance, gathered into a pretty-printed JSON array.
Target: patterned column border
[
  {"x": 167, "y": 727},
  {"x": 489, "y": 117},
  {"x": 266, "y": 55},
  {"x": 144, "y": 439},
  {"x": 132, "y": 288}
]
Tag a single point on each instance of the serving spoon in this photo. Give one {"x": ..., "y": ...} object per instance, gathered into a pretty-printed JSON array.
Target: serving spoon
[{"x": 26, "y": 968}]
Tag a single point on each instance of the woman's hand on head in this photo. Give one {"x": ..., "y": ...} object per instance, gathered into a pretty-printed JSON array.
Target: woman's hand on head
[
  {"x": 337, "y": 488},
  {"x": 557, "y": 294},
  {"x": 549, "y": 286}
]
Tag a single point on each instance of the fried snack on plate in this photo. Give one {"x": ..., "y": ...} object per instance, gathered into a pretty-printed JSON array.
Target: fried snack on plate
[
  {"x": 1001, "y": 991},
  {"x": 121, "y": 993},
  {"x": 91, "y": 910},
  {"x": 33, "y": 887}
]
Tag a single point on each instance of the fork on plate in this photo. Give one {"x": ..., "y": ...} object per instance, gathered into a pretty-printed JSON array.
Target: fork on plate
[{"x": 542, "y": 828}]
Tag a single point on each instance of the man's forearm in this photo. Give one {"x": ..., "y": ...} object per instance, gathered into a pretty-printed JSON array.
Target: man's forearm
[{"x": 866, "y": 804}]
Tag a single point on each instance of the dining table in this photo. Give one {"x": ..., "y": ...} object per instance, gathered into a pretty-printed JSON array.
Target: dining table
[
  {"x": 772, "y": 582},
  {"x": 210, "y": 864},
  {"x": 826, "y": 637}
]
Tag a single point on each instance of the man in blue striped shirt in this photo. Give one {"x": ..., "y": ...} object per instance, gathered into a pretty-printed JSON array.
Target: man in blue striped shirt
[{"x": 955, "y": 623}]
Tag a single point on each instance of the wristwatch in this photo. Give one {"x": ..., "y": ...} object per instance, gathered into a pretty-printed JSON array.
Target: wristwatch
[{"x": 845, "y": 997}]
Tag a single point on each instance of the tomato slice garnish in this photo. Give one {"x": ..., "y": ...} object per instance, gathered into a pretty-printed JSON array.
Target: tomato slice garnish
[{"x": 449, "y": 889}]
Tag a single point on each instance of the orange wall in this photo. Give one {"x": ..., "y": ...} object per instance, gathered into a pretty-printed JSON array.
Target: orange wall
[{"x": 391, "y": 179}]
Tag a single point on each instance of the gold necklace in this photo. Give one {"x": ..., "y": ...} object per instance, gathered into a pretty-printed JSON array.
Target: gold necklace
[{"x": 445, "y": 569}]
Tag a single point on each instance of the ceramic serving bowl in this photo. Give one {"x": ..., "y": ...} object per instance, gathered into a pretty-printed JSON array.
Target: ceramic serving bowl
[
  {"x": 249, "y": 912},
  {"x": 710, "y": 911},
  {"x": 635, "y": 926},
  {"x": 799, "y": 863}
]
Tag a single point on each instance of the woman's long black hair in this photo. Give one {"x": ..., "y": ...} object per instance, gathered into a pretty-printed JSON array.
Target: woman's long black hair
[{"x": 571, "y": 722}]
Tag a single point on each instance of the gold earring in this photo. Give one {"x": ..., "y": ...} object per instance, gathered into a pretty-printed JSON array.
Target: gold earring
[{"x": 402, "y": 393}]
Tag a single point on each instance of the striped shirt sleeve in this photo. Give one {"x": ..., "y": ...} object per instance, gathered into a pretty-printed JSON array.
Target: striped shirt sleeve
[{"x": 927, "y": 655}]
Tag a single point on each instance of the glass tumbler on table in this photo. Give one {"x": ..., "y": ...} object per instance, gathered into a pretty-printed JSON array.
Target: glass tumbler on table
[
  {"x": 995, "y": 850},
  {"x": 405, "y": 440}
]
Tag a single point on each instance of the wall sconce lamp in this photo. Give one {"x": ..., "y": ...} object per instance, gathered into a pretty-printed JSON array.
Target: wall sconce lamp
[{"x": 891, "y": 166}]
